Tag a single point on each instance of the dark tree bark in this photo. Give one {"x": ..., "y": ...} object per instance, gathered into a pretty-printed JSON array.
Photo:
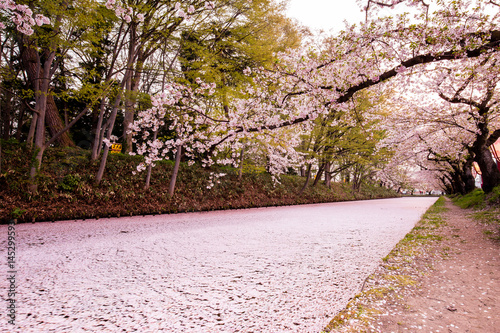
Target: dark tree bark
[
  {"x": 175, "y": 172},
  {"x": 150, "y": 168},
  {"x": 35, "y": 72},
  {"x": 132, "y": 88},
  {"x": 240, "y": 168},
  {"x": 55, "y": 124},
  {"x": 20, "y": 121},
  {"x": 319, "y": 174},
  {"x": 469, "y": 181},
  {"x": 302, "y": 171},
  {"x": 308, "y": 177},
  {"x": 489, "y": 169},
  {"x": 6, "y": 110},
  {"x": 328, "y": 175}
]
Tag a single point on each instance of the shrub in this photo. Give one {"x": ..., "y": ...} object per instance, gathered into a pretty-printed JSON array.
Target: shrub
[
  {"x": 70, "y": 182},
  {"x": 17, "y": 213}
]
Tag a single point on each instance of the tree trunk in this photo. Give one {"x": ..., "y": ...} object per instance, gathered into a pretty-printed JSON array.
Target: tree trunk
[
  {"x": 41, "y": 103},
  {"x": 328, "y": 175},
  {"x": 302, "y": 171},
  {"x": 458, "y": 182},
  {"x": 130, "y": 112},
  {"x": 357, "y": 177},
  {"x": 319, "y": 174},
  {"x": 489, "y": 170},
  {"x": 0, "y": 146},
  {"x": 483, "y": 156},
  {"x": 308, "y": 177},
  {"x": 30, "y": 61},
  {"x": 6, "y": 110},
  {"x": 469, "y": 181},
  {"x": 31, "y": 133},
  {"x": 20, "y": 120},
  {"x": 110, "y": 124},
  {"x": 175, "y": 172},
  {"x": 131, "y": 88},
  {"x": 41, "y": 93},
  {"x": 240, "y": 168},
  {"x": 102, "y": 165},
  {"x": 55, "y": 124},
  {"x": 98, "y": 132},
  {"x": 132, "y": 56},
  {"x": 150, "y": 168}
]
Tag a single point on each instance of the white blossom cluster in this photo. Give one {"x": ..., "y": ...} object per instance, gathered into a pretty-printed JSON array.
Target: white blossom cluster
[
  {"x": 125, "y": 13},
  {"x": 22, "y": 16},
  {"x": 214, "y": 179},
  {"x": 304, "y": 84}
]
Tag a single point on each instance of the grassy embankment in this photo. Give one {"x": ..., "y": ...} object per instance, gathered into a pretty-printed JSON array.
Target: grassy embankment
[
  {"x": 403, "y": 268},
  {"x": 485, "y": 209},
  {"x": 66, "y": 188}
]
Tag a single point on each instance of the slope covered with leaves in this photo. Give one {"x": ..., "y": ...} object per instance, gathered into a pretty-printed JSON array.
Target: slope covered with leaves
[{"x": 66, "y": 188}]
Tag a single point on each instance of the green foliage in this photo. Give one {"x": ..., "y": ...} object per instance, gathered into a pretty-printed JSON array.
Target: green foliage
[
  {"x": 252, "y": 35},
  {"x": 17, "y": 213},
  {"x": 486, "y": 209},
  {"x": 348, "y": 141},
  {"x": 494, "y": 196},
  {"x": 70, "y": 182},
  {"x": 474, "y": 199},
  {"x": 66, "y": 187},
  {"x": 424, "y": 231}
]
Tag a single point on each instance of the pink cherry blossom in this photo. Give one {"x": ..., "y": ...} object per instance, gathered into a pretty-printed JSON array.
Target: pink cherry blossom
[
  {"x": 315, "y": 82},
  {"x": 110, "y": 4},
  {"x": 181, "y": 13},
  {"x": 22, "y": 17}
]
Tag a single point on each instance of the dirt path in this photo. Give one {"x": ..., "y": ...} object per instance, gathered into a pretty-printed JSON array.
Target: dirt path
[{"x": 457, "y": 284}]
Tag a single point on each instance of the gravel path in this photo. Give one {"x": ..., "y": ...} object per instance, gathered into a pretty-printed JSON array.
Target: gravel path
[{"x": 284, "y": 269}]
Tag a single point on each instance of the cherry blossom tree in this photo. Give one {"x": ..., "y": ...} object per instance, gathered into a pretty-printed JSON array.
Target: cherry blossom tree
[
  {"x": 159, "y": 31},
  {"x": 306, "y": 84},
  {"x": 40, "y": 57},
  {"x": 453, "y": 111},
  {"x": 278, "y": 103}
]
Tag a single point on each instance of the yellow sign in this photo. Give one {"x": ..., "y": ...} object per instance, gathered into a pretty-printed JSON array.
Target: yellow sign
[{"x": 116, "y": 148}]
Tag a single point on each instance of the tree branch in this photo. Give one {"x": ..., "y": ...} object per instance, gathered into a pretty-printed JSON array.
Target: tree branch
[{"x": 58, "y": 134}]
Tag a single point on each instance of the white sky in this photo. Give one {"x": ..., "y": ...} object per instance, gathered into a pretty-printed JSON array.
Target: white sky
[
  {"x": 325, "y": 14},
  {"x": 329, "y": 15}
]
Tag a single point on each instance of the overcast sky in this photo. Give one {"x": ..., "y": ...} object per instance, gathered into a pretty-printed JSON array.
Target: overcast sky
[
  {"x": 330, "y": 14},
  {"x": 325, "y": 14}
]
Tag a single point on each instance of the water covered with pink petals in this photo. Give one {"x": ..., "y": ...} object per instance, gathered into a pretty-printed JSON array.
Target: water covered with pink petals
[{"x": 285, "y": 269}]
